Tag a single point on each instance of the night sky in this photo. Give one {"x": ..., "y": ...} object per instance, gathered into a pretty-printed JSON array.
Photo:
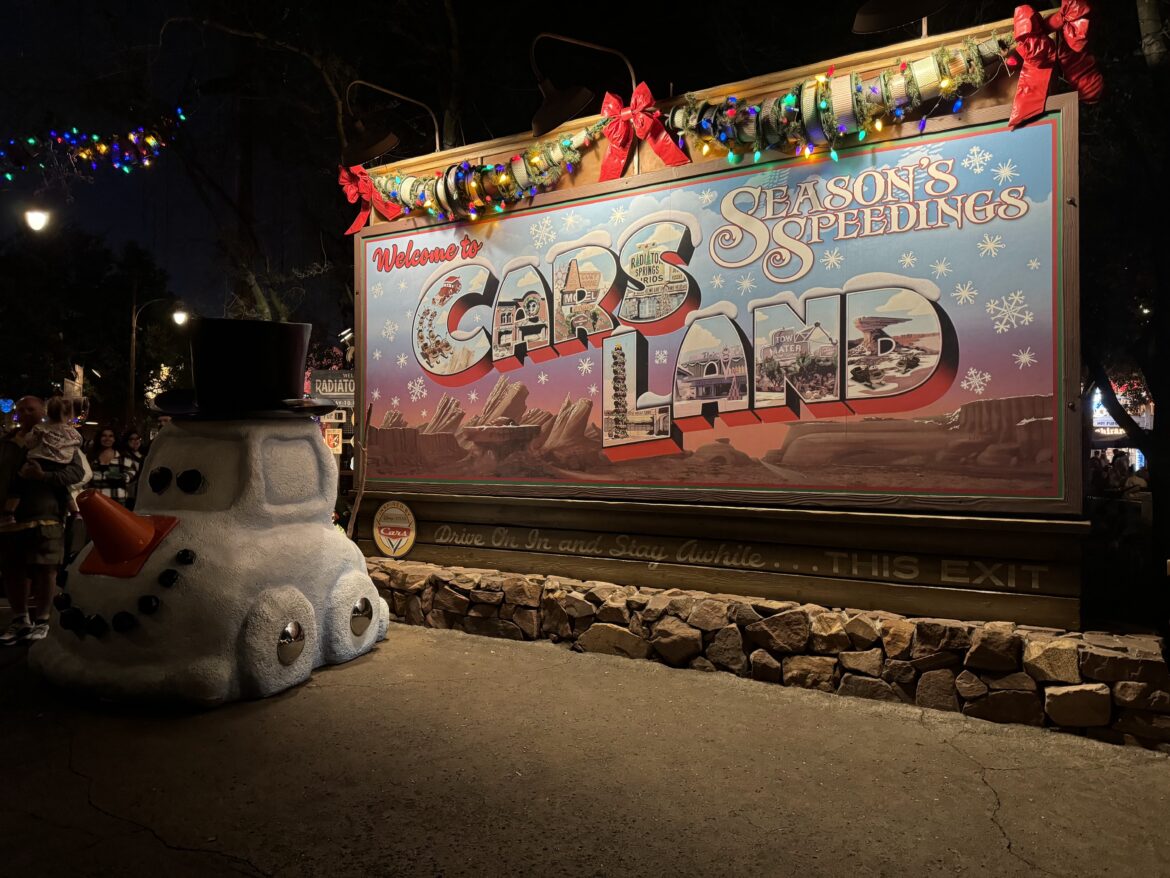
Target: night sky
[{"x": 103, "y": 67}]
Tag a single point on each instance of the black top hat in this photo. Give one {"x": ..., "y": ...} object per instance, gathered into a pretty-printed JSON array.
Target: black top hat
[{"x": 245, "y": 369}]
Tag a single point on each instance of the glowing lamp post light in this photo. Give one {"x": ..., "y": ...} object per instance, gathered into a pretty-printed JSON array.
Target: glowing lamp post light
[{"x": 36, "y": 219}]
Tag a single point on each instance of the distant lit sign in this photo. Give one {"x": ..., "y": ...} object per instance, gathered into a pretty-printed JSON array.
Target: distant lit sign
[
  {"x": 6, "y": 405},
  {"x": 335, "y": 386}
]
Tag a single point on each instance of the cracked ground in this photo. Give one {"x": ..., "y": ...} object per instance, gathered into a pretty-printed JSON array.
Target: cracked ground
[{"x": 446, "y": 754}]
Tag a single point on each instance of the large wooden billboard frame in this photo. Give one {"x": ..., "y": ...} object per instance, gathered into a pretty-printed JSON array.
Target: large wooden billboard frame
[{"x": 834, "y": 549}]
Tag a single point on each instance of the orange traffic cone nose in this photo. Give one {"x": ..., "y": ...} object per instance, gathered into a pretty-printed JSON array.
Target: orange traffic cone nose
[{"x": 117, "y": 532}]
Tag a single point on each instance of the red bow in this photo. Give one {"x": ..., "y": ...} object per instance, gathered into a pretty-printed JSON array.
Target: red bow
[
  {"x": 1040, "y": 54},
  {"x": 640, "y": 118},
  {"x": 357, "y": 185}
]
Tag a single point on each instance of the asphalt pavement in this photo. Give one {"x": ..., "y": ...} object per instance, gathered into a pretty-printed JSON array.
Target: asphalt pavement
[{"x": 447, "y": 754}]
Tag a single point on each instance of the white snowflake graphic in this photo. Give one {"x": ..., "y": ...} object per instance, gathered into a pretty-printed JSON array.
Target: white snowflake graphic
[
  {"x": 375, "y": 394},
  {"x": 1024, "y": 358},
  {"x": 990, "y": 246},
  {"x": 706, "y": 197},
  {"x": 478, "y": 318},
  {"x": 542, "y": 378},
  {"x": 660, "y": 357},
  {"x": 1005, "y": 172},
  {"x": 585, "y": 366},
  {"x": 976, "y": 160},
  {"x": 832, "y": 258},
  {"x": 542, "y": 232},
  {"x": 976, "y": 381},
  {"x": 593, "y": 390},
  {"x": 965, "y": 294},
  {"x": 716, "y": 281},
  {"x": 376, "y": 290},
  {"x": 746, "y": 283},
  {"x": 473, "y": 396},
  {"x": 377, "y": 353},
  {"x": 1010, "y": 312},
  {"x": 394, "y": 402},
  {"x": 389, "y": 330},
  {"x": 417, "y": 389},
  {"x": 617, "y": 216},
  {"x": 1033, "y": 263},
  {"x": 409, "y": 312},
  {"x": 423, "y": 413},
  {"x": 571, "y": 220},
  {"x": 908, "y": 260},
  {"x": 941, "y": 268},
  {"x": 400, "y": 360},
  {"x": 402, "y": 284}
]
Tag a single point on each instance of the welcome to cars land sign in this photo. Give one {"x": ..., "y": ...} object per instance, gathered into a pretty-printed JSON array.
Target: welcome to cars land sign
[{"x": 887, "y": 325}]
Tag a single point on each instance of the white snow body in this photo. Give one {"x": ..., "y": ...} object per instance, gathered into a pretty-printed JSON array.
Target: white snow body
[{"x": 266, "y": 554}]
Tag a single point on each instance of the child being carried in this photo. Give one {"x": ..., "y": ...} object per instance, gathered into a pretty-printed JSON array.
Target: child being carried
[{"x": 52, "y": 445}]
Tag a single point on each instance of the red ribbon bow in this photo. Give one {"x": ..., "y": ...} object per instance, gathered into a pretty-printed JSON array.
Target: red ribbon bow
[
  {"x": 642, "y": 119},
  {"x": 1040, "y": 55},
  {"x": 357, "y": 185}
]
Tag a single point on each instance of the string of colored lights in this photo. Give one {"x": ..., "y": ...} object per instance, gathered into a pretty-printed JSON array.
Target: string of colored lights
[{"x": 75, "y": 151}]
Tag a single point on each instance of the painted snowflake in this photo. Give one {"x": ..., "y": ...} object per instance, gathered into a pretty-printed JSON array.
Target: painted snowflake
[
  {"x": 965, "y": 294},
  {"x": 571, "y": 220},
  {"x": 377, "y": 290},
  {"x": 389, "y": 330},
  {"x": 394, "y": 402},
  {"x": 1024, "y": 357},
  {"x": 375, "y": 394},
  {"x": 473, "y": 396},
  {"x": 402, "y": 284},
  {"x": 746, "y": 283},
  {"x": 593, "y": 390},
  {"x": 377, "y": 353},
  {"x": 542, "y": 378},
  {"x": 1005, "y": 172},
  {"x": 1009, "y": 312},
  {"x": 417, "y": 389},
  {"x": 716, "y": 281},
  {"x": 423, "y": 413},
  {"x": 706, "y": 196},
  {"x": 409, "y": 312},
  {"x": 542, "y": 232},
  {"x": 990, "y": 246},
  {"x": 908, "y": 260},
  {"x": 478, "y": 318},
  {"x": 400, "y": 360},
  {"x": 832, "y": 258},
  {"x": 617, "y": 216},
  {"x": 585, "y": 366},
  {"x": 976, "y": 160},
  {"x": 660, "y": 357},
  {"x": 1033, "y": 264},
  {"x": 976, "y": 381},
  {"x": 941, "y": 268}
]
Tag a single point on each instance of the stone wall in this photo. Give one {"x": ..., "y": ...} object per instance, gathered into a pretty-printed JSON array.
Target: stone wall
[{"x": 1110, "y": 687}]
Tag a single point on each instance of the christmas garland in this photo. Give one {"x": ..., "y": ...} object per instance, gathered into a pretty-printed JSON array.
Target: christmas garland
[
  {"x": 69, "y": 151},
  {"x": 819, "y": 113},
  {"x": 823, "y": 111}
]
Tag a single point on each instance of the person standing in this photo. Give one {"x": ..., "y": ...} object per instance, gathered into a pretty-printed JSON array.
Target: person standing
[
  {"x": 32, "y": 546},
  {"x": 113, "y": 471}
]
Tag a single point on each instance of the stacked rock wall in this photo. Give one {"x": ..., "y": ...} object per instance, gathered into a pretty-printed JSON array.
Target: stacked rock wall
[{"x": 1114, "y": 688}]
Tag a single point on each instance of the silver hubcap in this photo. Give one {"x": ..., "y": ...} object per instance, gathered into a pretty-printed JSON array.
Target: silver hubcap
[
  {"x": 291, "y": 643},
  {"x": 361, "y": 616}
]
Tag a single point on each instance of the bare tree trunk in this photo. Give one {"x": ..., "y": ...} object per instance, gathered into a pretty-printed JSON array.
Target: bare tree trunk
[{"x": 1153, "y": 37}]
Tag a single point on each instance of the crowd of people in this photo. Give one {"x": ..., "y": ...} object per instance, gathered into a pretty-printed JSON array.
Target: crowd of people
[
  {"x": 1112, "y": 473},
  {"x": 44, "y": 463}
]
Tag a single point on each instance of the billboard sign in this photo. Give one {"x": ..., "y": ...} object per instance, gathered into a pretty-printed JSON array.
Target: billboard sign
[{"x": 889, "y": 325}]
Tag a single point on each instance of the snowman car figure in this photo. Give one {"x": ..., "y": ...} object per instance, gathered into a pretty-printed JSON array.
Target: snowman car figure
[{"x": 229, "y": 580}]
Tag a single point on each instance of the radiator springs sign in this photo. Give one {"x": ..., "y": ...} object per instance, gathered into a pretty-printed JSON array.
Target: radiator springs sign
[{"x": 889, "y": 323}]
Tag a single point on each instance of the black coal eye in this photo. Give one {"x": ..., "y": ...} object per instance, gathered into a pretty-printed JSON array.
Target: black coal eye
[
  {"x": 160, "y": 479},
  {"x": 190, "y": 481}
]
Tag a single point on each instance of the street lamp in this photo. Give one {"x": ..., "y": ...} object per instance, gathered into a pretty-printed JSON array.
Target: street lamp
[
  {"x": 179, "y": 316},
  {"x": 36, "y": 219}
]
